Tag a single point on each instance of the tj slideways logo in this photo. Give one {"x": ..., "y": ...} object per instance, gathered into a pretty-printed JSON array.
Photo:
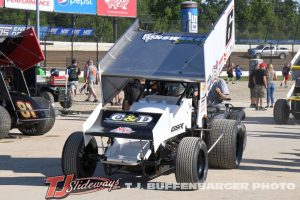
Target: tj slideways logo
[{"x": 62, "y": 186}]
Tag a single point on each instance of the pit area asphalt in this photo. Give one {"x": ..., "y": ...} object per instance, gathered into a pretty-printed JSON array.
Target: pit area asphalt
[{"x": 270, "y": 168}]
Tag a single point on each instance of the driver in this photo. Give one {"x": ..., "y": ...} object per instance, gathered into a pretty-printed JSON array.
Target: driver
[{"x": 218, "y": 92}]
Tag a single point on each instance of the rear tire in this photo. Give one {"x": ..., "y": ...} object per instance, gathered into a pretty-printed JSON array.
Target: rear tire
[
  {"x": 39, "y": 128},
  {"x": 281, "y": 111},
  {"x": 191, "y": 161},
  {"x": 238, "y": 116},
  {"x": 48, "y": 96},
  {"x": 5, "y": 122},
  {"x": 75, "y": 156},
  {"x": 258, "y": 56},
  {"x": 228, "y": 152},
  {"x": 282, "y": 56}
]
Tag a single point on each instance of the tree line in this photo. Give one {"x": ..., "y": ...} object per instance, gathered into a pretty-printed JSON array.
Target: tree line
[{"x": 255, "y": 19}]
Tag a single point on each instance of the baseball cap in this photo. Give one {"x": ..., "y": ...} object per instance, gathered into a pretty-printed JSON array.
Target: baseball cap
[{"x": 263, "y": 65}]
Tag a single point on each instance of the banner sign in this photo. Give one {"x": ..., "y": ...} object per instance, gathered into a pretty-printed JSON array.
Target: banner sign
[
  {"x": 117, "y": 8},
  {"x": 1, "y": 3},
  {"x": 70, "y": 31},
  {"x": 45, "y": 5},
  {"x": 75, "y": 6},
  {"x": 7, "y": 30}
]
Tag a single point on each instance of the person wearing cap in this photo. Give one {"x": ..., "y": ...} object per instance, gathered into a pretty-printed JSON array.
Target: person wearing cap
[
  {"x": 260, "y": 80},
  {"x": 73, "y": 72}
]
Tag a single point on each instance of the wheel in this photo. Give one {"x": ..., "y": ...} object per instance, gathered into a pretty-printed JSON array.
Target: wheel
[
  {"x": 238, "y": 115},
  {"x": 258, "y": 56},
  {"x": 228, "y": 152},
  {"x": 295, "y": 107},
  {"x": 48, "y": 96},
  {"x": 242, "y": 130},
  {"x": 191, "y": 161},
  {"x": 5, "y": 122},
  {"x": 281, "y": 111},
  {"x": 76, "y": 158},
  {"x": 282, "y": 56},
  {"x": 67, "y": 104},
  {"x": 40, "y": 127}
]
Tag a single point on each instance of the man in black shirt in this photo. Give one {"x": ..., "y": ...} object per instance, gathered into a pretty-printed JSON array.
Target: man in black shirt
[
  {"x": 73, "y": 76},
  {"x": 260, "y": 80}
]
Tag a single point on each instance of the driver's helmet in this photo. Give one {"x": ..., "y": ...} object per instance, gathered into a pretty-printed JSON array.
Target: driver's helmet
[
  {"x": 54, "y": 72},
  {"x": 175, "y": 89}
]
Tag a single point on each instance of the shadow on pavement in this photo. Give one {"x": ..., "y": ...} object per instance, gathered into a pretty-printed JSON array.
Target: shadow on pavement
[
  {"x": 272, "y": 134},
  {"x": 268, "y": 120},
  {"x": 44, "y": 166},
  {"x": 280, "y": 164}
]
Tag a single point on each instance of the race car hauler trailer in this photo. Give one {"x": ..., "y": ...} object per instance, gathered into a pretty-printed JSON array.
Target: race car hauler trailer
[{"x": 161, "y": 131}]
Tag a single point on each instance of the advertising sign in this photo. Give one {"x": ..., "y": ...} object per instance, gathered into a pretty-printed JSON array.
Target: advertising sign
[
  {"x": 1, "y": 3},
  {"x": 76, "y": 6},
  {"x": 45, "y": 5},
  {"x": 7, "y": 30},
  {"x": 117, "y": 8}
]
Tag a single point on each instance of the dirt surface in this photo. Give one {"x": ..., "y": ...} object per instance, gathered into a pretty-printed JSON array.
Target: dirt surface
[
  {"x": 59, "y": 59},
  {"x": 272, "y": 156}
]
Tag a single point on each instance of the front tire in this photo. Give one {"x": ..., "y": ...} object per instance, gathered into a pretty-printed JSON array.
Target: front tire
[
  {"x": 76, "y": 156},
  {"x": 281, "y": 111},
  {"x": 67, "y": 104},
  {"x": 228, "y": 152},
  {"x": 5, "y": 122},
  {"x": 191, "y": 161}
]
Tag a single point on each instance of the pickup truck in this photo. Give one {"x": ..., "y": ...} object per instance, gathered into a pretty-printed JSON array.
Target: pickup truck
[{"x": 268, "y": 51}]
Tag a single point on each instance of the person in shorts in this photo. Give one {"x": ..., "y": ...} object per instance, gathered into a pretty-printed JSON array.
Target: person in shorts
[
  {"x": 91, "y": 79},
  {"x": 260, "y": 80},
  {"x": 285, "y": 73},
  {"x": 73, "y": 72},
  {"x": 230, "y": 68},
  {"x": 251, "y": 86}
]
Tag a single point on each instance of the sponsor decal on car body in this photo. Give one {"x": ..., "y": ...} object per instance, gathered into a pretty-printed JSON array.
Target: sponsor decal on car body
[
  {"x": 124, "y": 130},
  {"x": 177, "y": 127},
  {"x": 129, "y": 119}
]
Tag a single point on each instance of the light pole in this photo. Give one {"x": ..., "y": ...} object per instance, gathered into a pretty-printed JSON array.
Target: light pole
[
  {"x": 38, "y": 19},
  {"x": 38, "y": 24}
]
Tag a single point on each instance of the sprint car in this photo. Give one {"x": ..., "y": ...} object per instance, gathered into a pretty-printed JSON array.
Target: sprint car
[
  {"x": 291, "y": 105},
  {"x": 31, "y": 115},
  {"x": 163, "y": 130}
]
